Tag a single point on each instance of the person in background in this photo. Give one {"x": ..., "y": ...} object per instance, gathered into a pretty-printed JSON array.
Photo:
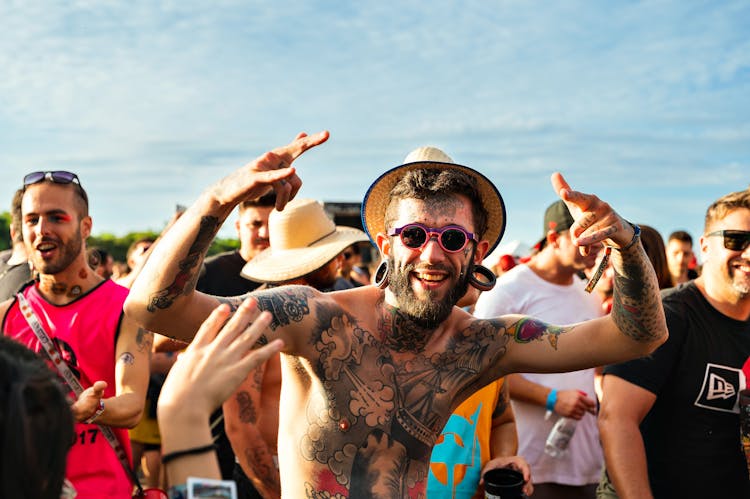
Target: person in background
[
  {"x": 82, "y": 313},
  {"x": 14, "y": 266},
  {"x": 548, "y": 287},
  {"x": 679, "y": 255},
  {"x": 669, "y": 422},
  {"x": 36, "y": 426}
]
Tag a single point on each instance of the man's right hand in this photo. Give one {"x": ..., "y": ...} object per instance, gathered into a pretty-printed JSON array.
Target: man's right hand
[{"x": 272, "y": 170}]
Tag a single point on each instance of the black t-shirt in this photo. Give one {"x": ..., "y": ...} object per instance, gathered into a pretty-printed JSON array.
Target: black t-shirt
[
  {"x": 221, "y": 276},
  {"x": 692, "y": 433}
]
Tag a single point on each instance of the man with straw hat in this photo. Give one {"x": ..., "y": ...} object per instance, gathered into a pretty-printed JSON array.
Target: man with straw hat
[
  {"x": 371, "y": 374},
  {"x": 305, "y": 248}
]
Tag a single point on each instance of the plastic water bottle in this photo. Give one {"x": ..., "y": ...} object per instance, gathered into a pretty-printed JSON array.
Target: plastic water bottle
[{"x": 559, "y": 437}]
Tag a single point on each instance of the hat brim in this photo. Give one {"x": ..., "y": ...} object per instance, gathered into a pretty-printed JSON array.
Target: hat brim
[
  {"x": 275, "y": 266},
  {"x": 378, "y": 196}
]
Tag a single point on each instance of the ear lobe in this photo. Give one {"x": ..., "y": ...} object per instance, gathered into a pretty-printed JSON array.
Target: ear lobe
[
  {"x": 481, "y": 251},
  {"x": 86, "y": 225},
  {"x": 384, "y": 244},
  {"x": 552, "y": 237}
]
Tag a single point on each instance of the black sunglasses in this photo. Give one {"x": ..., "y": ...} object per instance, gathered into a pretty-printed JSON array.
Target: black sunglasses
[
  {"x": 58, "y": 177},
  {"x": 452, "y": 238},
  {"x": 734, "y": 240}
]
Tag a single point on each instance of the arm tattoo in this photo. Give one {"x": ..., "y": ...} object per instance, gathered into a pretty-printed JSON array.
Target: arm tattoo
[
  {"x": 527, "y": 330},
  {"x": 503, "y": 400},
  {"x": 186, "y": 277},
  {"x": 234, "y": 302},
  {"x": 248, "y": 413},
  {"x": 144, "y": 340},
  {"x": 636, "y": 307},
  {"x": 287, "y": 304}
]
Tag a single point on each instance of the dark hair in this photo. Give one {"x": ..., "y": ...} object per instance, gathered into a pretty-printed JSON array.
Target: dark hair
[
  {"x": 681, "y": 235},
  {"x": 436, "y": 184},
  {"x": 134, "y": 245},
  {"x": 265, "y": 200},
  {"x": 15, "y": 216},
  {"x": 654, "y": 245},
  {"x": 36, "y": 425},
  {"x": 77, "y": 188}
]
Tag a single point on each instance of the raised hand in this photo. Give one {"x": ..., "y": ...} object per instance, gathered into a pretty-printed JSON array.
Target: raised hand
[
  {"x": 595, "y": 220},
  {"x": 272, "y": 170},
  {"x": 218, "y": 359}
]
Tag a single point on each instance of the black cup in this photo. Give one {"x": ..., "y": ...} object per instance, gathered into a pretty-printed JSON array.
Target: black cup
[{"x": 503, "y": 483}]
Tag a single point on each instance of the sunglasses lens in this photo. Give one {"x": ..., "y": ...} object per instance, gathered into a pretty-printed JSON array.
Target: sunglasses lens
[
  {"x": 453, "y": 240},
  {"x": 63, "y": 177},
  {"x": 736, "y": 241},
  {"x": 413, "y": 236},
  {"x": 33, "y": 178}
]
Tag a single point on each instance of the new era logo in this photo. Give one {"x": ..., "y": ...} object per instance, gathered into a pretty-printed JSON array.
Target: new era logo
[{"x": 720, "y": 387}]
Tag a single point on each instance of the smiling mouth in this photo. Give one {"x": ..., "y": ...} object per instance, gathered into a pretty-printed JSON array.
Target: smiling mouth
[{"x": 430, "y": 276}]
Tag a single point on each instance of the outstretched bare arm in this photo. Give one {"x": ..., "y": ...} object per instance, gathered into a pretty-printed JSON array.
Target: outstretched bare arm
[{"x": 163, "y": 298}]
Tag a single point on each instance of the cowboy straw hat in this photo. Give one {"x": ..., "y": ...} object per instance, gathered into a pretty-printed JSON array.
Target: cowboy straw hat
[
  {"x": 378, "y": 195},
  {"x": 302, "y": 239}
]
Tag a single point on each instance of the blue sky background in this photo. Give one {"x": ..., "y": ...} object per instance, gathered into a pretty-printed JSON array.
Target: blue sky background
[{"x": 646, "y": 104}]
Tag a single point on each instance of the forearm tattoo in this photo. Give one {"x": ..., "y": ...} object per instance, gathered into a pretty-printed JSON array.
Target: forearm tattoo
[
  {"x": 636, "y": 307},
  {"x": 187, "y": 276}
]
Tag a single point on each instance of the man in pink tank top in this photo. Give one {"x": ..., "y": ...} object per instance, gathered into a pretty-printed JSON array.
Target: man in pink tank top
[{"x": 82, "y": 314}]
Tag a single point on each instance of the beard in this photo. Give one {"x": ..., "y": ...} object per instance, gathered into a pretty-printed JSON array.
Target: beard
[
  {"x": 427, "y": 312},
  {"x": 738, "y": 281},
  {"x": 68, "y": 252}
]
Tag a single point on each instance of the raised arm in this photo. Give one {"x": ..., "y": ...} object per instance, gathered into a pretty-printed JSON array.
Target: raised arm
[
  {"x": 636, "y": 326},
  {"x": 163, "y": 298}
]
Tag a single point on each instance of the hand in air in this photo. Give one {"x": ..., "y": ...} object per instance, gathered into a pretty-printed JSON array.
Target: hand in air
[
  {"x": 272, "y": 170},
  {"x": 595, "y": 220}
]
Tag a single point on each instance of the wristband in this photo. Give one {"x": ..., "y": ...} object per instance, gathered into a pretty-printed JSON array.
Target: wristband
[
  {"x": 187, "y": 452},
  {"x": 551, "y": 400},
  {"x": 97, "y": 413},
  {"x": 636, "y": 236}
]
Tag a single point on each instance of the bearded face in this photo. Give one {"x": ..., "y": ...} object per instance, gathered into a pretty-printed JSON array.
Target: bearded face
[{"x": 428, "y": 309}]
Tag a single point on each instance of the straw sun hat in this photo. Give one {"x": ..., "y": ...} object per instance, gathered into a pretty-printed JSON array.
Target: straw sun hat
[
  {"x": 302, "y": 239},
  {"x": 378, "y": 195}
]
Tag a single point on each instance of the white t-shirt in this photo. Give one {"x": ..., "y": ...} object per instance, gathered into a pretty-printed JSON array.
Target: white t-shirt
[{"x": 521, "y": 291}]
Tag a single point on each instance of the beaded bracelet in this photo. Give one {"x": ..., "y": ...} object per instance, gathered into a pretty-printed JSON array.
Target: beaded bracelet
[{"x": 187, "y": 452}]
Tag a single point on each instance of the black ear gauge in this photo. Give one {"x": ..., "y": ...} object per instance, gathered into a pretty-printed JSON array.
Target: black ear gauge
[
  {"x": 488, "y": 281},
  {"x": 381, "y": 274}
]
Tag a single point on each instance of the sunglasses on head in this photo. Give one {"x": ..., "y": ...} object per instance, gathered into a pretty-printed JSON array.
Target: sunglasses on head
[
  {"x": 734, "y": 240},
  {"x": 58, "y": 177},
  {"x": 452, "y": 238}
]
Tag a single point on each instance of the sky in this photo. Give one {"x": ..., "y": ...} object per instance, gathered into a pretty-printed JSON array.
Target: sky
[{"x": 645, "y": 104}]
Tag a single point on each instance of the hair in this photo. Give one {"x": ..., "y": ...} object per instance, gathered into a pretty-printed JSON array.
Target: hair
[
  {"x": 657, "y": 253},
  {"x": 15, "y": 216},
  {"x": 77, "y": 188},
  {"x": 36, "y": 425},
  {"x": 265, "y": 200},
  {"x": 680, "y": 235},
  {"x": 438, "y": 184},
  {"x": 725, "y": 204},
  {"x": 134, "y": 245}
]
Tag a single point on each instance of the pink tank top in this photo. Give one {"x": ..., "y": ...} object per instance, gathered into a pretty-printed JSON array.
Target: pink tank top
[{"x": 85, "y": 331}]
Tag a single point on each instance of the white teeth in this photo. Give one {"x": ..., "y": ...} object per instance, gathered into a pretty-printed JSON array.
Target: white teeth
[{"x": 430, "y": 277}]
